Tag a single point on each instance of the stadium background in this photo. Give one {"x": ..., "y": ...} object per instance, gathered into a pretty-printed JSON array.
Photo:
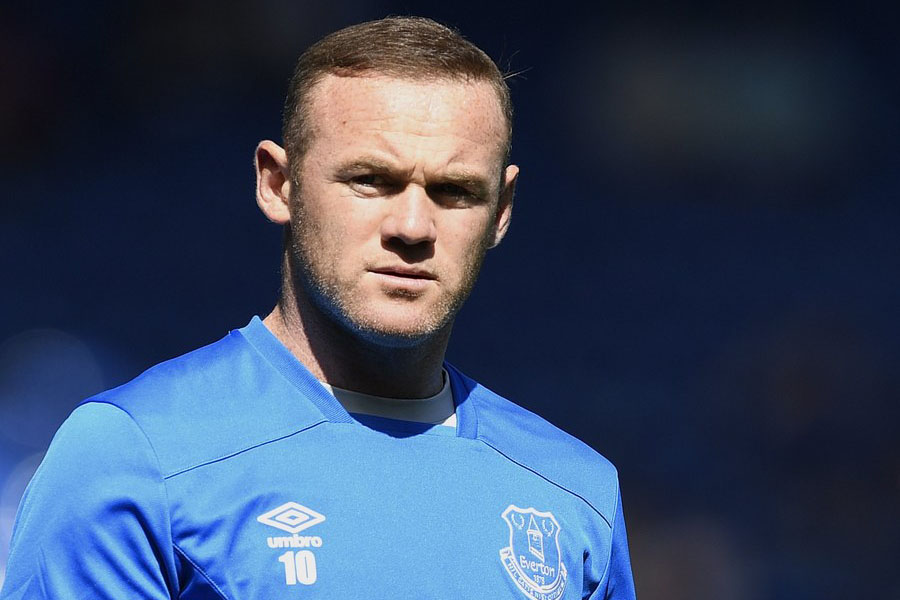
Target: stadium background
[{"x": 701, "y": 279}]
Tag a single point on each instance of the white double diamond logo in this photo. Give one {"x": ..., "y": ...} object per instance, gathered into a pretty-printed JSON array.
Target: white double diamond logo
[{"x": 291, "y": 517}]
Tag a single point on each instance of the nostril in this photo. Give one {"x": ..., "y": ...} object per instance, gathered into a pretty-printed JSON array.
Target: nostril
[
  {"x": 409, "y": 252},
  {"x": 410, "y": 229}
]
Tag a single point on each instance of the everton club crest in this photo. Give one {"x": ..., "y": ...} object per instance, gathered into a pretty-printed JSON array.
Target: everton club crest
[{"x": 533, "y": 559}]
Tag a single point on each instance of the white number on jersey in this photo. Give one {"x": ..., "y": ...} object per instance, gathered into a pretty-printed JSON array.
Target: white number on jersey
[{"x": 299, "y": 567}]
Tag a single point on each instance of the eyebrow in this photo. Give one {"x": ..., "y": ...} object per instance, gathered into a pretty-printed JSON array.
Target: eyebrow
[{"x": 368, "y": 163}]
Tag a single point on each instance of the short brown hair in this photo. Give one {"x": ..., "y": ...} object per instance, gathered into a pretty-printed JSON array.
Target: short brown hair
[{"x": 403, "y": 47}]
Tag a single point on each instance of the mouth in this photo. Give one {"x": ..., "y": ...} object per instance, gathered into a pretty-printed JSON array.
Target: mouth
[
  {"x": 404, "y": 281},
  {"x": 405, "y": 272}
]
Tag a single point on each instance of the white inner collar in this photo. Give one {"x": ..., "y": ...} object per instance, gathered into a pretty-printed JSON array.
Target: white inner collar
[{"x": 437, "y": 410}]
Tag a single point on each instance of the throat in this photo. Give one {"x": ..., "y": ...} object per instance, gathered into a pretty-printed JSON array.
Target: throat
[
  {"x": 436, "y": 410},
  {"x": 335, "y": 356}
]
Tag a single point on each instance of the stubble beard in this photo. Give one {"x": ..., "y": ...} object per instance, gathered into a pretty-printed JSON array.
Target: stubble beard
[{"x": 344, "y": 306}]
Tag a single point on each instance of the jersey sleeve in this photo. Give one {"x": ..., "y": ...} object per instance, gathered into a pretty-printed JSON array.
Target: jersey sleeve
[
  {"x": 94, "y": 520},
  {"x": 619, "y": 580}
]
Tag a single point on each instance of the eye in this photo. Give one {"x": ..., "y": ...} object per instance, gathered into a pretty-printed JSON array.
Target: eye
[
  {"x": 452, "y": 190},
  {"x": 454, "y": 195},
  {"x": 368, "y": 183},
  {"x": 368, "y": 180},
  {"x": 456, "y": 190}
]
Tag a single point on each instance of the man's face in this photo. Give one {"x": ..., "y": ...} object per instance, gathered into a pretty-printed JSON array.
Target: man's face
[{"x": 401, "y": 192}]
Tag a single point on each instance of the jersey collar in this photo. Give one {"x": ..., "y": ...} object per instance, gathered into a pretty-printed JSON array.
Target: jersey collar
[{"x": 271, "y": 348}]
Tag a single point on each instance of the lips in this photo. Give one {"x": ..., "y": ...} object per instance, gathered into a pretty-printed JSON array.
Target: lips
[{"x": 404, "y": 271}]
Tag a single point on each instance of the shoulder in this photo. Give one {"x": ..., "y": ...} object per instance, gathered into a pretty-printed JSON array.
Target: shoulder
[
  {"x": 97, "y": 443},
  {"x": 96, "y": 505},
  {"x": 539, "y": 446},
  {"x": 210, "y": 403},
  {"x": 201, "y": 375}
]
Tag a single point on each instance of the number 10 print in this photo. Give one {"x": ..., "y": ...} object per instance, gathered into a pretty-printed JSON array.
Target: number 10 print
[{"x": 299, "y": 567}]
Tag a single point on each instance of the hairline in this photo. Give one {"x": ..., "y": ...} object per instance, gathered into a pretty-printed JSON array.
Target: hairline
[{"x": 501, "y": 96}]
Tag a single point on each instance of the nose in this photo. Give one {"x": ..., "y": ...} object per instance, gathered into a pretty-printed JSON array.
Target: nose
[{"x": 410, "y": 218}]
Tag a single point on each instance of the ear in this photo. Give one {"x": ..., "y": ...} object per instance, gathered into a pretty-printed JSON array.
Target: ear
[
  {"x": 505, "y": 205},
  {"x": 273, "y": 182}
]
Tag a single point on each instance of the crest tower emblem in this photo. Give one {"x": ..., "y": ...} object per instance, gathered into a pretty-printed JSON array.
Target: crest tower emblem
[{"x": 533, "y": 559}]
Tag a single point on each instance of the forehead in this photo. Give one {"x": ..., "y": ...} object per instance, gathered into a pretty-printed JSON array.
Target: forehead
[{"x": 440, "y": 109}]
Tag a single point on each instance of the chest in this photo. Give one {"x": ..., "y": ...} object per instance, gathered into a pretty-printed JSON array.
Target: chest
[{"x": 336, "y": 515}]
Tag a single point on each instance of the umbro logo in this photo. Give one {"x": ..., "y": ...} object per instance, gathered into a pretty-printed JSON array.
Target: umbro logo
[
  {"x": 291, "y": 517},
  {"x": 299, "y": 565}
]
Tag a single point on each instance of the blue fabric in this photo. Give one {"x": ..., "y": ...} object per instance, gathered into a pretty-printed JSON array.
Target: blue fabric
[{"x": 230, "y": 472}]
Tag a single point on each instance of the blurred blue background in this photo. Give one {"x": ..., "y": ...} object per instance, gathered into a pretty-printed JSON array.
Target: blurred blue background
[{"x": 701, "y": 279}]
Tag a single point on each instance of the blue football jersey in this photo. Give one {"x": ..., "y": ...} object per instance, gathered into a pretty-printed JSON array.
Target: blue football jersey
[{"x": 231, "y": 473}]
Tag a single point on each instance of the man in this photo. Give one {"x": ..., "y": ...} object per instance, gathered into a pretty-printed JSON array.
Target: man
[{"x": 328, "y": 451}]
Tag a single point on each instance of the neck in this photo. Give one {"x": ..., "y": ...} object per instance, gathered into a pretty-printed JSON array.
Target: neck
[{"x": 342, "y": 359}]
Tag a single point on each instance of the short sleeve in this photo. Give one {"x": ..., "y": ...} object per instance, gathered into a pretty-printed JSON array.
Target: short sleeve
[
  {"x": 619, "y": 580},
  {"x": 94, "y": 520}
]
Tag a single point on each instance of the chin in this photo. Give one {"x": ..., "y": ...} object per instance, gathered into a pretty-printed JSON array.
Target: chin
[
  {"x": 391, "y": 323},
  {"x": 392, "y": 339},
  {"x": 396, "y": 333}
]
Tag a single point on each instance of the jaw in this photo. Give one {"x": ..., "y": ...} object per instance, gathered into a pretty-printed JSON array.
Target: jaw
[
  {"x": 391, "y": 317},
  {"x": 389, "y": 363}
]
